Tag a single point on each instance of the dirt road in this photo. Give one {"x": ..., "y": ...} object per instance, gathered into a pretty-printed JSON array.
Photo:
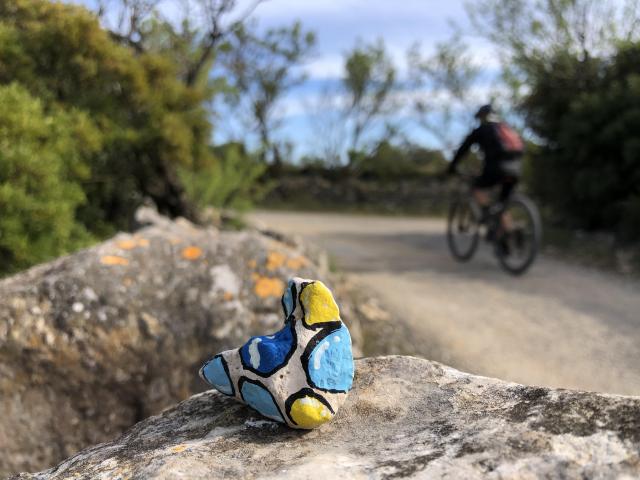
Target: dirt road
[{"x": 560, "y": 325}]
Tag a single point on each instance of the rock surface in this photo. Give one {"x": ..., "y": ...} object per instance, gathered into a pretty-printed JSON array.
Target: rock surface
[
  {"x": 404, "y": 418},
  {"x": 299, "y": 375},
  {"x": 94, "y": 342}
]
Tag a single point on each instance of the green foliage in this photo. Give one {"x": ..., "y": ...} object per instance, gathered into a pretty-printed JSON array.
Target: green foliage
[
  {"x": 391, "y": 162},
  {"x": 92, "y": 123},
  {"x": 588, "y": 113},
  {"x": 368, "y": 81},
  {"x": 149, "y": 121},
  {"x": 41, "y": 170},
  {"x": 572, "y": 67},
  {"x": 262, "y": 69},
  {"x": 445, "y": 78},
  {"x": 230, "y": 181}
]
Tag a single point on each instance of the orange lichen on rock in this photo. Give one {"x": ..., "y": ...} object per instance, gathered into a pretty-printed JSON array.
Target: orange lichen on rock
[
  {"x": 113, "y": 260},
  {"x": 127, "y": 244},
  {"x": 191, "y": 253},
  {"x": 179, "y": 448},
  {"x": 252, "y": 264},
  {"x": 131, "y": 243},
  {"x": 227, "y": 296},
  {"x": 297, "y": 262},
  {"x": 275, "y": 260},
  {"x": 268, "y": 287}
]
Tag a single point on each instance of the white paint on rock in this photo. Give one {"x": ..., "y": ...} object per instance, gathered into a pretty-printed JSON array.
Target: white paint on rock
[
  {"x": 317, "y": 359},
  {"x": 254, "y": 353}
]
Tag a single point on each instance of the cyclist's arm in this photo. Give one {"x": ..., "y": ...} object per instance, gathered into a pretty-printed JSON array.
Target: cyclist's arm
[{"x": 464, "y": 148}]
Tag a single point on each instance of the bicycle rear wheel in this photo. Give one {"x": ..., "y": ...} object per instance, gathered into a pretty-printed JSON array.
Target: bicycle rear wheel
[
  {"x": 463, "y": 230},
  {"x": 517, "y": 248}
]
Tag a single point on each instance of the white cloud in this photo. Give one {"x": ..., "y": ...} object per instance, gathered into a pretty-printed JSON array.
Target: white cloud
[{"x": 325, "y": 66}]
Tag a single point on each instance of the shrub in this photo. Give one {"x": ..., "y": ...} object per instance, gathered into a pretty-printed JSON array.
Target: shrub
[
  {"x": 229, "y": 181},
  {"x": 150, "y": 121},
  {"x": 587, "y": 113},
  {"x": 41, "y": 167}
]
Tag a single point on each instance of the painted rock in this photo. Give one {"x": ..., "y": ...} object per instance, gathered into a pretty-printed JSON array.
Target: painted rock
[{"x": 299, "y": 375}]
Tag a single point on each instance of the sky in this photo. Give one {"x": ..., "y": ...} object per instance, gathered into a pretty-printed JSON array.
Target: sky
[{"x": 338, "y": 25}]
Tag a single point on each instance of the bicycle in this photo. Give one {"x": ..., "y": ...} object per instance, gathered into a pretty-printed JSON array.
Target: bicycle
[{"x": 514, "y": 228}]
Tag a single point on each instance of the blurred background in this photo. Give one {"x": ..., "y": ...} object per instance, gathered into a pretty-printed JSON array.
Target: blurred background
[
  {"x": 200, "y": 107},
  {"x": 107, "y": 104}
]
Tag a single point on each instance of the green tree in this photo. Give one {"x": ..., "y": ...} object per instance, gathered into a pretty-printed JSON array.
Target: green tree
[
  {"x": 193, "y": 36},
  {"x": 589, "y": 114},
  {"x": 262, "y": 69},
  {"x": 42, "y": 166},
  {"x": 526, "y": 32},
  {"x": 444, "y": 81},
  {"x": 389, "y": 162},
  {"x": 231, "y": 181},
  {"x": 368, "y": 81},
  {"x": 573, "y": 69},
  {"x": 149, "y": 119}
]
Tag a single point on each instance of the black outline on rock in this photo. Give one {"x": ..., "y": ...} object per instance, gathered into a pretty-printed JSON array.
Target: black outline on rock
[
  {"x": 294, "y": 347},
  {"x": 225, "y": 366},
  {"x": 294, "y": 298},
  {"x": 305, "y": 392},
  {"x": 242, "y": 380},
  {"x": 306, "y": 356}
]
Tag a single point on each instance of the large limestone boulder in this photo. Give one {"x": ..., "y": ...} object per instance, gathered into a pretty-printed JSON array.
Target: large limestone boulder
[
  {"x": 94, "y": 342},
  {"x": 405, "y": 418}
]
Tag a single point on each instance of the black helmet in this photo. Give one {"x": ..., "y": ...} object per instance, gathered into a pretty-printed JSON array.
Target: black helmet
[{"x": 483, "y": 111}]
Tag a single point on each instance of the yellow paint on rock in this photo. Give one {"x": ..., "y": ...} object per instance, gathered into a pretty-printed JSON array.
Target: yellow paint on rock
[
  {"x": 114, "y": 260},
  {"x": 179, "y": 448},
  {"x": 275, "y": 260},
  {"x": 268, "y": 287},
  {"x": 192, "y": 253},
  {"x": 309, "y": 412},
  {"x": 319, "y": 305}
]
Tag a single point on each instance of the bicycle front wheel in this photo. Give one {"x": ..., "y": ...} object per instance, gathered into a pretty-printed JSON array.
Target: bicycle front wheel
[
  {"x": 463, "y": 230},
  {"x": 519, "y": 244}
]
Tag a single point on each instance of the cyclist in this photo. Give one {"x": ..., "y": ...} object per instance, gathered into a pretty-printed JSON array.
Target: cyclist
[{"x": 502, "y": 149}]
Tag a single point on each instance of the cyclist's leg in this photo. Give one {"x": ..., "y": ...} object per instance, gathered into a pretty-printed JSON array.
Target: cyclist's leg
[
  {"x": 481, "y": 196},
  {"x": 510, "y": 176},
  {"x": 509, "y": 183},
  {"x": 482, "y": 185}
]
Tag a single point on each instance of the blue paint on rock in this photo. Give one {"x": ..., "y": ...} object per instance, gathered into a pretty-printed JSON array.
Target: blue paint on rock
[
  {"x": 214, "y": 373},
  {"x": 331, "y": 362},
  {"x": 259, "y": 398},
  {"x": 268, "y": 353},
  {"x": 288, "y": 300}
]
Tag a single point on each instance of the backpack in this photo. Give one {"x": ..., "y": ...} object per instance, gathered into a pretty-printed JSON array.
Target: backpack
[{"x": 509, "y": 140}]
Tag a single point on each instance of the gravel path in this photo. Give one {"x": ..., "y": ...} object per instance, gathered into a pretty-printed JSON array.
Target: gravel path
[{"x": 560, "y": 325}]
